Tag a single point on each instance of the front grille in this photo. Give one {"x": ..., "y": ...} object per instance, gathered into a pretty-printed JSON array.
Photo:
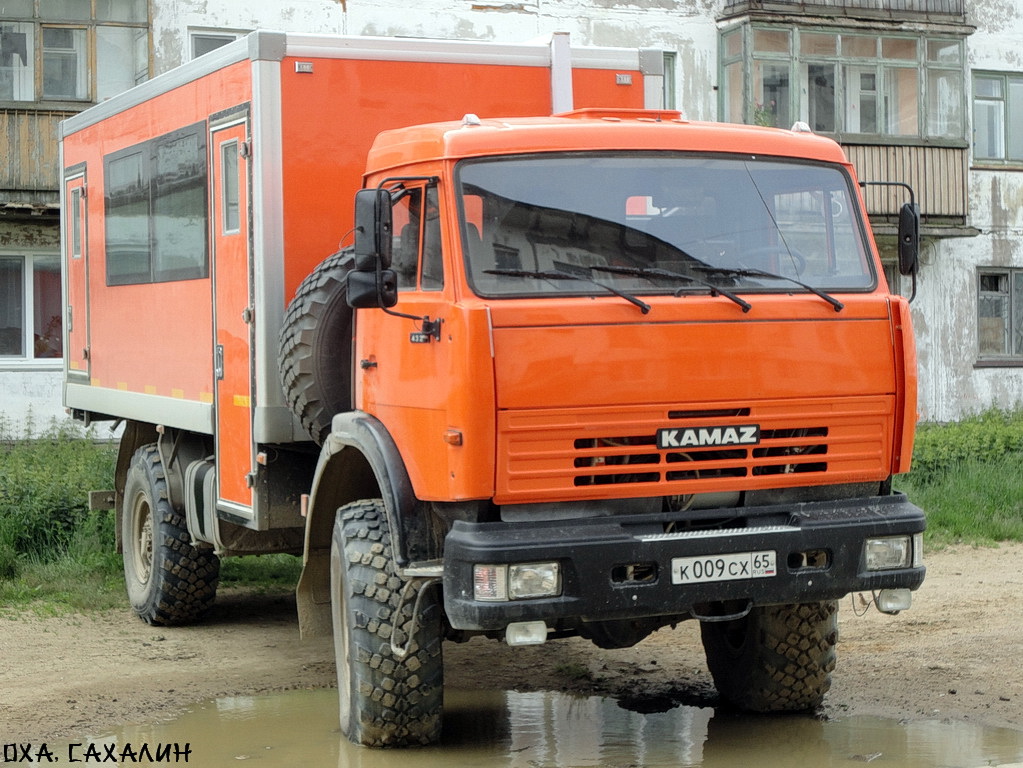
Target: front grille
[{"x": 606, "y": 453}]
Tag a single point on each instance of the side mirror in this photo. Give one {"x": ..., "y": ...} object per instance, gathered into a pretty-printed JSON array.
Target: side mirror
[
  {"x": 373, "y": 229},
  {"x": 372, "y": 289},
  {"x": 909, "y": 239}
]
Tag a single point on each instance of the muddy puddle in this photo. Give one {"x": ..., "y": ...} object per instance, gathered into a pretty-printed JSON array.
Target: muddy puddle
[{"x": 508, "y": 729}]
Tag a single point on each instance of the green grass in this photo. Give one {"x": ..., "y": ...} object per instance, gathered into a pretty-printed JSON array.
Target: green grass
[
  {"x": 977, "y": 502},
  {"x": 56, "y": 556},
  {"x": 269, "y": 573}
]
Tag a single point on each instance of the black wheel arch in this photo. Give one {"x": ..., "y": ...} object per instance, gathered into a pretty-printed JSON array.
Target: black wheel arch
[{"x": 358, "y": 460}]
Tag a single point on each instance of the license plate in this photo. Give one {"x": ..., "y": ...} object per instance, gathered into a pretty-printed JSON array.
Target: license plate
[{"x": 738, "y": 565}]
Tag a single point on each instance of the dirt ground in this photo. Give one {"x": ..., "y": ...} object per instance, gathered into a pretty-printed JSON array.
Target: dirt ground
[{"x": 955, "y": 655}]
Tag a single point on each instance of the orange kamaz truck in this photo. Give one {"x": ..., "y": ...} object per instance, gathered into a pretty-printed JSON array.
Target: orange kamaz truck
[{"x": 500, "y": 347}]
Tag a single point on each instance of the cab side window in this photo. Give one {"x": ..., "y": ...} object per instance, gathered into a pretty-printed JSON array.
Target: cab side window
[
  {"x": 407, "y": 215},
  {"x": 416, "y": 255},
  {"x": 433, "y": 263}
]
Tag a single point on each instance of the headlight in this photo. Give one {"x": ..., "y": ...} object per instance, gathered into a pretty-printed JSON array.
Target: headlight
[
  {"x": 519, "y": 581},
  {"x": 533, "y": 580},
  {"x": 888, "y": 553}
]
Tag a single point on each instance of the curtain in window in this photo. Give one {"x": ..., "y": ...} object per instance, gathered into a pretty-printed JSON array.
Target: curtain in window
[{"x": 12, "y": 335}]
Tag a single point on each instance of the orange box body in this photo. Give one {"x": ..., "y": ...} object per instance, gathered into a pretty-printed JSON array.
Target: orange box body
[{"x": 199, "y": 354}]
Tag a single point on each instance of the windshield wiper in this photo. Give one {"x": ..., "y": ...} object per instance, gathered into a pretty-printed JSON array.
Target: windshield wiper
[
  {"x": 556, "y": 274},
  {"x": 729, "y": 272},
  {"x": 651, "y": 272}
]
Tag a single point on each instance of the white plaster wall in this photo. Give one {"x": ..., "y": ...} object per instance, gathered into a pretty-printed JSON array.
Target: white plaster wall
[
  {"x": 945, "y": 318},
  {"x": 30, "y": 401}
]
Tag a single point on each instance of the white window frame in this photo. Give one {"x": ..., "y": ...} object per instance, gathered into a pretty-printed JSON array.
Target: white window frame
[
  {"x": 226, "y": 35},
  {"x": 28, "y": 359}
]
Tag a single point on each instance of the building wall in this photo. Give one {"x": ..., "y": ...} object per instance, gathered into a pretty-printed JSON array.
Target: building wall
[{"x": 952, "y": 385}]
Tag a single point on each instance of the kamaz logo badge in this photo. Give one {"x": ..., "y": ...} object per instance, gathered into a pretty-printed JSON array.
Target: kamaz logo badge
[{"x": 701, "y": 437}]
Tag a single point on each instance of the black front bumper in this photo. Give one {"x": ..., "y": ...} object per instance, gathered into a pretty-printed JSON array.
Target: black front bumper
[{"x": 599, "y": 555}]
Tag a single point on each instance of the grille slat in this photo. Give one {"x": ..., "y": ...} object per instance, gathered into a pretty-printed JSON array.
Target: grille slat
[{"x": 606, "y": 453}]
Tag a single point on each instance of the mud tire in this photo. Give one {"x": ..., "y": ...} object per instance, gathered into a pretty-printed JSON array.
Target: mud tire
[
  {"x": 169, "y": 581},
  {"x": 779, "y": 658},
  {"x": 315, "y": 347},
  {"x": 384, "y": 700}
]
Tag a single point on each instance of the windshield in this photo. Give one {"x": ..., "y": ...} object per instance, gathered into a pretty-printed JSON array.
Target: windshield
[{"x": 659, "y": 223}]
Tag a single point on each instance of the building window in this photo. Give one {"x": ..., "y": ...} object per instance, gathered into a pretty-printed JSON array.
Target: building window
[
  {"x": 998, "y": 118},
  {"x": 64, "y": 71},
  {"x": 670, "y": 76},
  {"x": 1000, "y": 314},
  {"x": 843, "y": 82},
  {"x": 30, "y": 308},
  {"x": 204, "y": 41},
  {"x": 72, "y": 50}
]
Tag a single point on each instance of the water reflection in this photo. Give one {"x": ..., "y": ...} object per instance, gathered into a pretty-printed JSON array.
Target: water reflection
[{"x": 507, "y": 729}]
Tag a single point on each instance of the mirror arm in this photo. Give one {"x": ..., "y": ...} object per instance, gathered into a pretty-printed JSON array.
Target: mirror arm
[{"x": 915, "y": 213}]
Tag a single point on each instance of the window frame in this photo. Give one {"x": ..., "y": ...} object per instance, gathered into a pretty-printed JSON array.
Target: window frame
[
  {"x": 740, "y": 60},
  {"x": 1013, "y": 334},
  {"x": 149, "y": 154},
  {"x": 1005, "y": 79},
  {"x": 227, "y": 36},
  {"x": 418, "y": 257},
  {"x": 28, "y": 358},
  {"x": 93, "y": 60}
]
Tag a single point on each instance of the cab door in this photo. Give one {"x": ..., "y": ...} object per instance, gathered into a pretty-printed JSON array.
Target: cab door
[
  {"x": 234, "y": 319},
  {"x": 405, "y": 354},
  {"x": 76, "y": 275}
]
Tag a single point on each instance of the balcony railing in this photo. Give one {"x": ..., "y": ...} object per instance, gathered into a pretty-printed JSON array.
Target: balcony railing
[
  {"x": 885, "y": 8},
  {"x": 938, "y": 176},
  {"x": 28, "y": 140}
]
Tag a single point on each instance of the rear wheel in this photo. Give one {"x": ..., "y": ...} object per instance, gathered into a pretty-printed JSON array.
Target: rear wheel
[
  {"x": 169, "y": 581},
  {"x": 385, "y": 698},
  {"x": 778, "y": 658}
]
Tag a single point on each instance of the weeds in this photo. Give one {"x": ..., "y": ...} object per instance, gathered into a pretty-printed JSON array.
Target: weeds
[{"x": 52, "y": 548}]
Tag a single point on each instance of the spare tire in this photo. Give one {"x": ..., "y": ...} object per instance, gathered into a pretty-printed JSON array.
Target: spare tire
[{"x": 315, "y": 347}]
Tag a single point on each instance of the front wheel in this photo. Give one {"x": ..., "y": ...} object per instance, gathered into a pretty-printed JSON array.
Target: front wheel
[
  {"x": 169, "y": 580},
  {"x": 388, "y": 653},
  {"x": 778, "y": 658}
]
